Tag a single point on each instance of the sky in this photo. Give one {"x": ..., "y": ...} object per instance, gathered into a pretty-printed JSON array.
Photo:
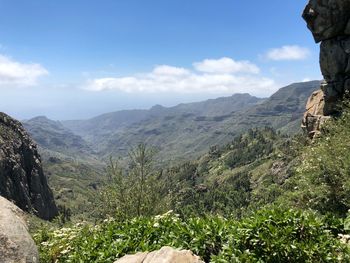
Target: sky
[{"x": 75, "y": 59}]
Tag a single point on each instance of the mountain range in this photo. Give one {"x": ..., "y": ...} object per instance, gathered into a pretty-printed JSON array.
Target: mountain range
[{"x": 178, "y": 133}]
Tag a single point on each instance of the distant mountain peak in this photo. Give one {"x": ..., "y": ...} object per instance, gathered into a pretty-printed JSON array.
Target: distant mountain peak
[
  {"x": 38, "y": 118},
  {"x": 157, "y": 107}
]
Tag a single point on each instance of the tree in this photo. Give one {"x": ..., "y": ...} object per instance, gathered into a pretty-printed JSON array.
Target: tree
[
  {"x": 135, "y": 191},
  {"x": 141, "y": 159},
  {"x": 114, "y": 197}
]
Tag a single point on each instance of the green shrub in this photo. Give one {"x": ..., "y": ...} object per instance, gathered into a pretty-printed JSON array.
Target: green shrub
[
  {"x": 322, "y": 180},
  {"x": 270, "y": 236},
  {"x": 283, "y": 236}
]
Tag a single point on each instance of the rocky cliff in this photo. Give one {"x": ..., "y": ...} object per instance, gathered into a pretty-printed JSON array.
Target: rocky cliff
[
  {"x": 329, "y": 22},
  {"x": 21, "y": 176}
]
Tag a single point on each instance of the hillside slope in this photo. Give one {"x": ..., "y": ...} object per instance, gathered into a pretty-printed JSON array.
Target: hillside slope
[
  {"x": 180, "y": 133},
  {"x": 57, "y": 141}
]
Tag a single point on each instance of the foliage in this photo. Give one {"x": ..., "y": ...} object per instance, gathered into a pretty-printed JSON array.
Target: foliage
[
  {"x": 250, "y": 146},
  {"x": 223, "y": 199},
  {"x": 322, "y": 181},
  {"x": 272, "y": 235},
  {"x": 131, "y": 192},
  {"x": 257, "y": 168},
  {"x": 222, "y": 182},
  {"x": 75, "y": 185},
  {"x": 283, "y": 236}
]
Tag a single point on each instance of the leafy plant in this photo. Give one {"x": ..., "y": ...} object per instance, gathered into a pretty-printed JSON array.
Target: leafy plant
[{"x": 271, "y": 235}]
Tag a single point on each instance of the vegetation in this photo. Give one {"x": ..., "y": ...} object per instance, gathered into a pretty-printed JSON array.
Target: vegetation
[
  {"x": 133, "y": 192},
  {"x": 222, "y": 203},
  {"x": 272, "y": 235},
  {"x": 322, "y": 180}
]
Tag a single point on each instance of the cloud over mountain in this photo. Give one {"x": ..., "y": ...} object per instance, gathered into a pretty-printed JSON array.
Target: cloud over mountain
[
  {"x": 223, "y": 75},
  {"x": 293, "y": 52}
]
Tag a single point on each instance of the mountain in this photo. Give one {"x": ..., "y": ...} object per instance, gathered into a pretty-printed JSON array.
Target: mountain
[
  {"x": 188, "y": 130},
  {"x": 75, "y": 152},
  {"x": 283, "y": 110},
  {"x": 58, "y": 141},
  {"x": 179, "y": 129},
  {"x": 180, "y": 132},
  {"x": 104, "y": 125}
]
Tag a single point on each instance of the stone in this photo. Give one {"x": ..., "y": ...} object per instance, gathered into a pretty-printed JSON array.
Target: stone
[
  {"x": 164, "y": 255},
  {"x": 137, "y": 258},
  {"x": 315, "y": 103},
  {"x": 334, "y": 59},
  {"x": 327, "y": 19},
  {"x": 314, "y": 116},
  {"x": 21, "y": 175},
  {"x": 16, "y": 245},
  {"x": 312, "y": 124},
  {"x": 329, "y": 22}
]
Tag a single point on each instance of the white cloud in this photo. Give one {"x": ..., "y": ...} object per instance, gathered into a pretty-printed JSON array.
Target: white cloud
[
  {"x": 180, "y": 80},
  {"x": 13, "y": 73},
  {"x": 288, "y": 53},
  {"x": 226, "y": 65},
  {"x": 169, "y": 70}
]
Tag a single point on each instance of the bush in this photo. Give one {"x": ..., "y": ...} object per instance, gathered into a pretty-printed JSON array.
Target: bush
[
  {"x": 322, "y": 181},
  {"x": 283, "y": 236},
  {"x": 270, "y": 236}
]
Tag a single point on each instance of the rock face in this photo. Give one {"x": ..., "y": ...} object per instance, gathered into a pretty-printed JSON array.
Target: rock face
[
  {"x": 329, "y": 22},
  {"x": 16, "y": 245},
  {"x": 21, "y": 176},
  {"x": 314, "y": 116},
  {"x": 164, "y": 255}
]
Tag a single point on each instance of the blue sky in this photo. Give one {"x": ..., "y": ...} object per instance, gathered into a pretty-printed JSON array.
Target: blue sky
[{"x": 75, "y": 59}]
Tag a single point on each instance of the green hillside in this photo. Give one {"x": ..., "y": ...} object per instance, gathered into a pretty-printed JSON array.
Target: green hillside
[
  {"x": 263, "y": 197},
  {"x": 188, "y": 130},
  {"x": 57, "y": 141},
  {"x": 74, "y": 162}
]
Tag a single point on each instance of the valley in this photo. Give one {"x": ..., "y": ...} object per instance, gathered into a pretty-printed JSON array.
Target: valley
[{"x": 75, "y": 153}]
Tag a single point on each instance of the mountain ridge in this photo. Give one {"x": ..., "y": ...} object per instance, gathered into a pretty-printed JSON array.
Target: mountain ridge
[{"x": 186, "y": 130}]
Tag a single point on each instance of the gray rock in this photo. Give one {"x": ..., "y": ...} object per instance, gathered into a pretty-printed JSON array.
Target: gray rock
[
  {"x": 334, "y": 59},
  {"x": 21, "y": 175},
  {"x": 16, "y": 245},
  {"x": 327, "y": 18},
  {"x": 329, "y": 22},
  {"x": 164, "y": 255}
]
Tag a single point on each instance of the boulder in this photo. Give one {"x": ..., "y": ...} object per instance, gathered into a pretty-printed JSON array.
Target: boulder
[
  {"x": 329, "y": 22},
  {"x": 327, "y": 18},
  {"x": 314, "y": 115},
  {"x": 164, "y": 255},
  {"x": 21, "y": 175},
  {"x": 315, "y": 104},
  {"x": 334, "y": 59},
  {"x": 16, "y": 245}
]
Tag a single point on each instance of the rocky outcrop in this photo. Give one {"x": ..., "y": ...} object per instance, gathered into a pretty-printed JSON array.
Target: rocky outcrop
[
  {"x": 21, "y": 175},
  {"x": 164, "y": 255},
  {"x": 314, "y": 116},
  {"x": 329, "y": 22},
  {"x": 16, "y": 245}
]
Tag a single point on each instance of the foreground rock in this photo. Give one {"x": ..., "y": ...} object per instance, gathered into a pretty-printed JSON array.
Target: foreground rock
[
  {"x": 16, "y": 245},
  {"x": 164, "y": 255},
  {"x": 329, "y": 22},
  {"x": 21, "y": 175}
]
